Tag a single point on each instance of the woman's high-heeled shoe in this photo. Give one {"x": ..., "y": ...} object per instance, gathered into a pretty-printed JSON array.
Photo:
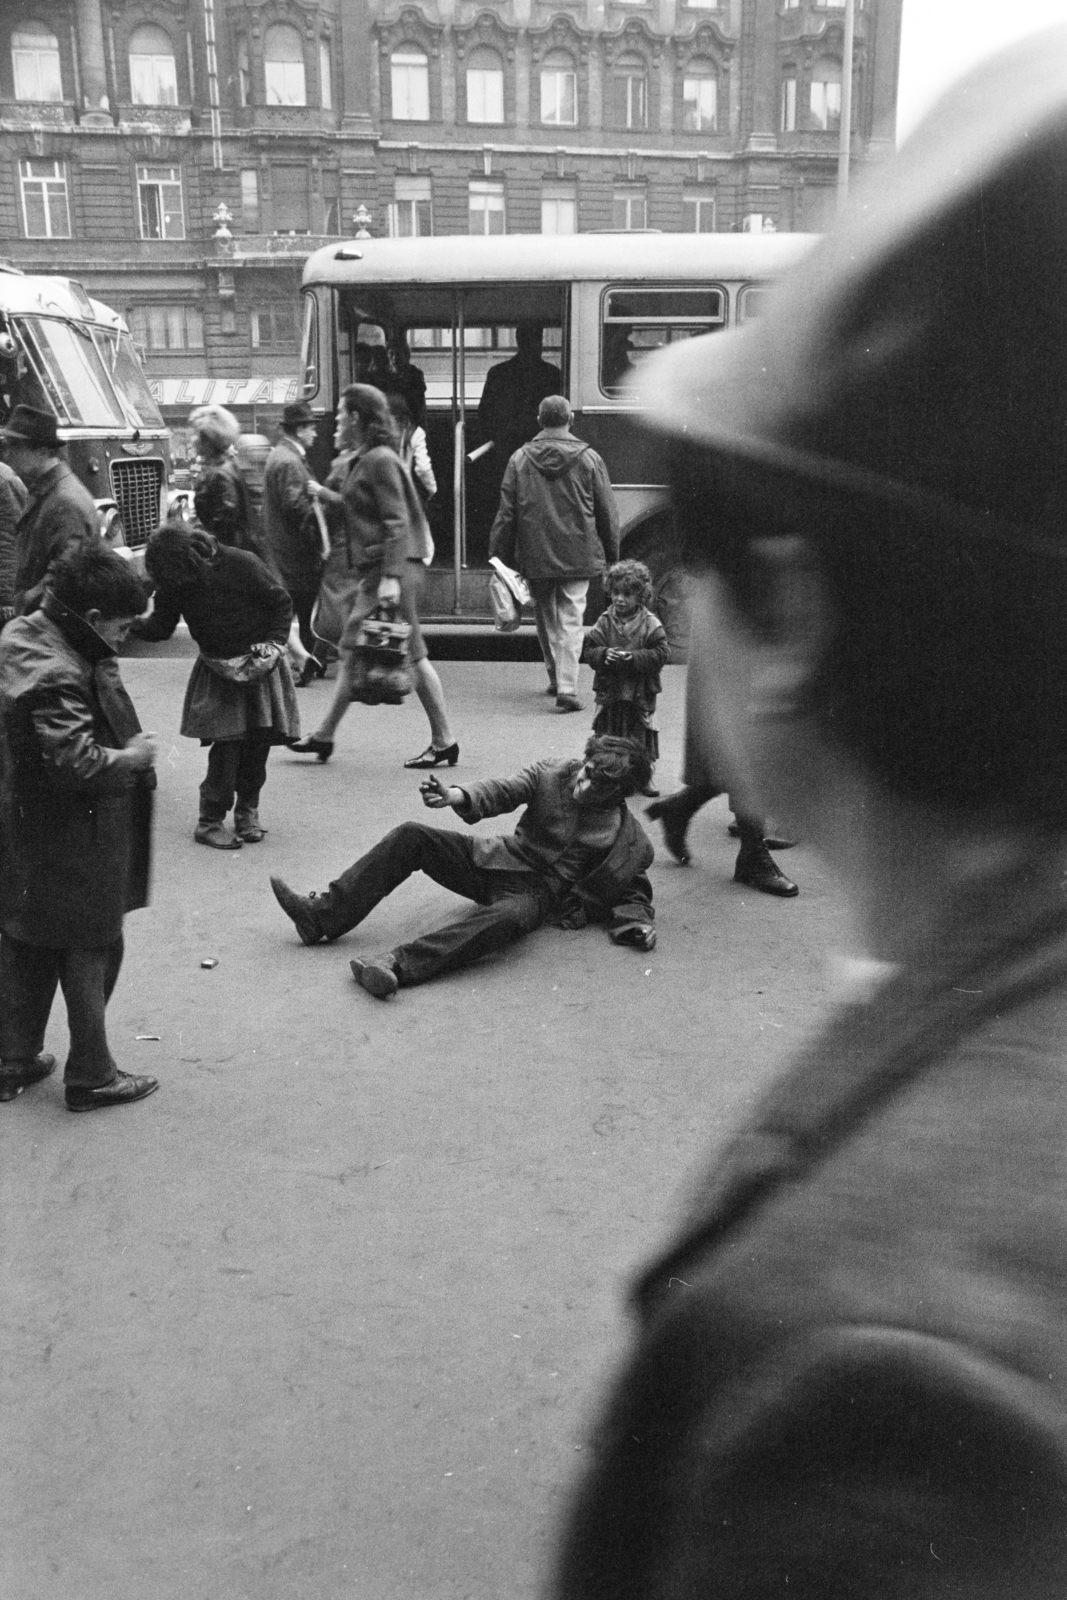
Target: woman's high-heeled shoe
[
  {"x": 435, "y": 758},
  {"x": 312, "y": 669},
  {"x": 323, "y": 748}
]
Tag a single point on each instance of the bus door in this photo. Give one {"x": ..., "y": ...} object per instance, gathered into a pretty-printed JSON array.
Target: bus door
[{"x": 455, "y": 336}]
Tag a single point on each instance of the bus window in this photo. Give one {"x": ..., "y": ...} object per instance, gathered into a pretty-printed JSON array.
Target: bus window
[
  {"x": 309, "y": 348},
  {"x": 71, "y": 366},
  {"x": 751, "y": 302},
  {"x": 637, "y": 321},
  {"x": 120, "y": 359}
]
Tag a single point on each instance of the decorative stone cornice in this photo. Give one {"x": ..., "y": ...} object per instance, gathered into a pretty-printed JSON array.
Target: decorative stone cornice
[
  {"x": 485, "y": 29},
  {"x": 410, "y": 27},
  {"x": 635, "y": 34},
  {"x": 560, "y": 33},
  {"x": 706, "y": 39}
]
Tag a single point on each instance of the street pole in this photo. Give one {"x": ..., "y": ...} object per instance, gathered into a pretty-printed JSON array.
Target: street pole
[{"x": 846, "y": 105}]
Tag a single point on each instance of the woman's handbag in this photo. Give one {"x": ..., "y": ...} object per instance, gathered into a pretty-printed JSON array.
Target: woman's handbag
[{"x": 381, "y": 671}]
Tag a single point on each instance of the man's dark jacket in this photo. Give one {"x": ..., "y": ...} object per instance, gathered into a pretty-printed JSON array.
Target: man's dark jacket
[
  {"x": 75, "y": 827},
  {"x": 557, "y": 518},
  {"x": 60, "y": 509},
  {"x": 292, "y": 538},
  {"x": 616, "y": 891}
]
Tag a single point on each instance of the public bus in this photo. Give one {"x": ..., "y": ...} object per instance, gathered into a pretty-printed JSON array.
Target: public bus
[
  {"x": 603, "y": 301},
  {"x": 67, "y": 354}
]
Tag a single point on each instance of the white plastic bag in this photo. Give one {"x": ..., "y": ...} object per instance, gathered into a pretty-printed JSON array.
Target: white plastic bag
[{"x": 506, "y": 614}]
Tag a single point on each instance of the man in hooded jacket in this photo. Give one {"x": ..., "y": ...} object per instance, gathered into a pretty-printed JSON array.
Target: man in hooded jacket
[{"x": 558, "y": 525}]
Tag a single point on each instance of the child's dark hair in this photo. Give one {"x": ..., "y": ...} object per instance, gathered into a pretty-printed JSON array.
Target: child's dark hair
[
  {"x": 88, "y": 576},
  {"x": 632, "y": 576},
  {"x": 622, "y": 764}
]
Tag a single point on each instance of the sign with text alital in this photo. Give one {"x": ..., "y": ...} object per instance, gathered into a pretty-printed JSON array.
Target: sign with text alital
[{"x": 224, "y": 391}]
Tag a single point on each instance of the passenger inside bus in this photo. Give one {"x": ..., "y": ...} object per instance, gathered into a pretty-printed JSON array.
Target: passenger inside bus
[
  {"x": 617, "y": 362},
  {"x": 507, "y": 411}
]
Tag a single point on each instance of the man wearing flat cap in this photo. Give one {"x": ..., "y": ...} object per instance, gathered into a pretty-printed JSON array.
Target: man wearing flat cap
[
  {"x": 59, "y": 510},
  {"x": 849, "y": 1375},
  {"x": 293, "y": 540}
]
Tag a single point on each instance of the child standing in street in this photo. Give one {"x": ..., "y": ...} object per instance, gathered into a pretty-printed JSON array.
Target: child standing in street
[{"x": 626, "y": 648}]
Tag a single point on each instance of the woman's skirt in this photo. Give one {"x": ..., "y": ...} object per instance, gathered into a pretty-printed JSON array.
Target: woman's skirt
[
  {"x": 216, "y": 708},
  {"x": 624, "y": 720}
]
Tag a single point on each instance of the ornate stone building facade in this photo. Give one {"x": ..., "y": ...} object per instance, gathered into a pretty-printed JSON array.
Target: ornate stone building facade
[{"x": 182, "y": 157}]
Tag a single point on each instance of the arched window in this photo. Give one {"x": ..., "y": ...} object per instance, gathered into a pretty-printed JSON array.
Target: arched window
[
  {"x": 410, "y": 72},
  {"x": 35, "y": 62},
  {"x": 559, "y": 90},
  {"x": 700, "y": 97},
  {"x": 325, "y": 75},
  {"x": 826, "y": 94},
  {"x": 630, "y": 91},
  {"x": 153, "y": 77},
  {"x": 788, "y": 118},
  {"x": 283, "y": 66},
  {"x": 485, "y": 86}
]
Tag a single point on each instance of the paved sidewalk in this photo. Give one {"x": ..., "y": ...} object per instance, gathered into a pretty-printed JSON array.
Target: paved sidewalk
[{"x": 329, "y": 1314}]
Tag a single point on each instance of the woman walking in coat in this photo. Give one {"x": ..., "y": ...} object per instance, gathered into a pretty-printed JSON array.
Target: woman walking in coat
[
  {"x": 240, "y": 697},
  {"x": 378, "y": 561},
  {"x": 75, "y": 824}
]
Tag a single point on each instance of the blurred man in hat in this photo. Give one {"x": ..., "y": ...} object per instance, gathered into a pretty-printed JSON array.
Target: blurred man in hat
[
  {"x": 59, "y": 510},
  {"x": 850, "y": 1374},
  {"x": 294, "y": 543}
]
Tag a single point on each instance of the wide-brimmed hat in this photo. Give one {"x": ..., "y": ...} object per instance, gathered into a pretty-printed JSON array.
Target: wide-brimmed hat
[
  {"x": 32, "y": 427},
  {"x": 297, "y": 415},
  {"x": 916, "y": 359}
]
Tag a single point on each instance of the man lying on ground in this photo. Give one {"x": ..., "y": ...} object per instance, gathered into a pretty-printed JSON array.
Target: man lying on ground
[{"x": 576, "y": 856}]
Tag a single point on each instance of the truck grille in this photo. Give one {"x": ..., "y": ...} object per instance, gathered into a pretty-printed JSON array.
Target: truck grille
[{"x": 137, "y": 486}]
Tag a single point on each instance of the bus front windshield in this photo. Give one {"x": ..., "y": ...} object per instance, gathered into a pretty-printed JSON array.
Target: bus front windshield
[
  {"x": 121, "y": 361},
  {"x": 71, "y": 372}
]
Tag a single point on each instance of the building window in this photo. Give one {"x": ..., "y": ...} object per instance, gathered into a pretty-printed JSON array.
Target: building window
[
  {"x": 325, "y": 75},
  {"x": 825, "y": 99},
  {"x": 291, "y": 196},
  {"x": 250, "y": 200},
  {"x": 411, "y": 213},
  {"x": 159, "y": 191},
  {"x": 283, "y": 66},
  {"x": 331, "y": 203},
  {"x": 628, "y": 209},
  {"x": 410, "y": 84},
  {"x": 559, "y": 91},
  {"x": 485, "y": 86},
  {"x": 244, "y": 71},
  {"x": 630, "y": 92},
  {"x": 45, "y": 208},
  {"x": 153, "y": 77},
  {"x": 486, "y": 203},
  {"x": 35, "y": 63},
  {"x": 275, "y": 327},
  {"x": 788, "y": 119},
  {"x": 698, "y": 211},
  {"x": 559, "y": 208},
  {"x": 167, "y": 327},
  {"x": 700, "y": 98}
]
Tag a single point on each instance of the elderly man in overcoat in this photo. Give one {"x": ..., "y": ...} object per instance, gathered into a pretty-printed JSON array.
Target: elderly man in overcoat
[
  {"x": 294, "y": 546},
  {"x": 75, "y": 816},
  {"x": 60, "y": 508}
]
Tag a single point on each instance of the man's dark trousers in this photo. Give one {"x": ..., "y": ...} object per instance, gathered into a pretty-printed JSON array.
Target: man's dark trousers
[
  {"x": 29, "y": 974},
  {"x": 508, "y": 904}
]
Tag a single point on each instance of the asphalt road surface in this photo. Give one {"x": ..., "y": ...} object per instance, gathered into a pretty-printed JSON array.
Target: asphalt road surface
[{"x": 330, "y": 1313}]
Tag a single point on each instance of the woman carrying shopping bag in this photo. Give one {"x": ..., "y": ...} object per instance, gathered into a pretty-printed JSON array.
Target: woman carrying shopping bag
[{"x": 378, "y": 560}]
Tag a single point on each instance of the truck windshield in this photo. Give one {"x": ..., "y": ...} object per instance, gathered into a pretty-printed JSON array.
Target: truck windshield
[
  {"x": 69, "y": 367},
  {"x": 120, "y": 358}
]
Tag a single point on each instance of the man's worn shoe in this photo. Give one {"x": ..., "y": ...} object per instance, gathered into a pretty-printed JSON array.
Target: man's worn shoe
[
  {"x": 757, "y": 869},
  {"x": 637, "y": 937},
  {"x": 18, "y": 1075},
  {"x": 215, "y": 835},
  {"x": 248, "y": 828},
  {"x": 377, "y": 977},
  {"x": 125, "y": 1089},
  {"x": 300, "y": 909},
  {"x": 674, "y": 823},
  {"x": 568, "y": 702}
]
